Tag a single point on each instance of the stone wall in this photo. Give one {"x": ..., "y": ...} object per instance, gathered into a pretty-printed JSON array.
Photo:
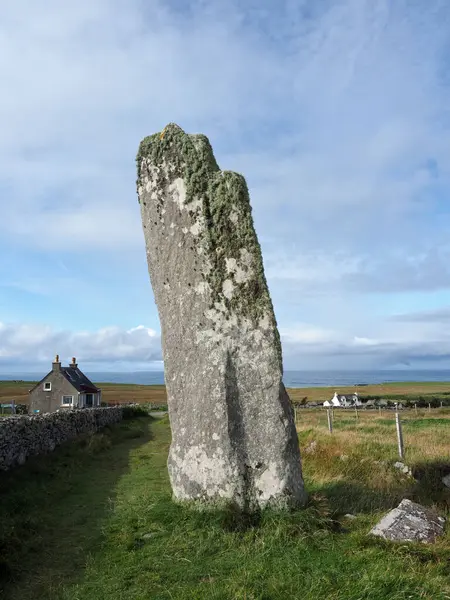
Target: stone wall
[{"x": 23, "y": 436}]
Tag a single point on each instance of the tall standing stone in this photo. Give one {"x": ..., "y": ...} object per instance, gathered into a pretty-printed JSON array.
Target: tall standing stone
[{"x": 233, "y": 433}]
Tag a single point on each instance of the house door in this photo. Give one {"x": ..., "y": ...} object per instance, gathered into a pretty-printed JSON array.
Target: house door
[{"x": 89, "y": 400}]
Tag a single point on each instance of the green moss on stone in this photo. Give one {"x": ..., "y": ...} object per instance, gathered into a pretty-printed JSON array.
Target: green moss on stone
[
  {"x": 228, "y": 192},
  {"x": 222, "y": 192},
  {"x": 192, "y": 157}
]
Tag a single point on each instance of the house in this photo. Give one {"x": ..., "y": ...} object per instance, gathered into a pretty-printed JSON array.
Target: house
[
  {"x": 343, "y": 400},
  {"x": 64, "y": 388}
]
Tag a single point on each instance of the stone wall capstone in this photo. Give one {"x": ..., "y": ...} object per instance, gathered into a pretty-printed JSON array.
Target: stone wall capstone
[{"x": 23, "y": 436}]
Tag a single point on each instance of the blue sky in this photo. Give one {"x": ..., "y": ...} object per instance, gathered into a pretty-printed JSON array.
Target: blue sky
[{"x": 337, "y": 114}]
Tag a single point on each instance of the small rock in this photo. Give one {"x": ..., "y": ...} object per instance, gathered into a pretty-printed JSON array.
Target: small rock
[
  {"x": 410, "y": 522},
  {"x": 343, "y": 457},
  {"x": 147, "y": 536},
  {"x": 349, "y": 516},
  {"x": 446, "y": 480},
  {"x": 403, "y": 468},
  {"x": 311, "y": 447}
]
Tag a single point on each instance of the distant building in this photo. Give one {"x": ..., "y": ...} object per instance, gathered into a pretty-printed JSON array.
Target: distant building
[
  {"x": 343, "y": 400},
  {"x": 64, "y": 388}
]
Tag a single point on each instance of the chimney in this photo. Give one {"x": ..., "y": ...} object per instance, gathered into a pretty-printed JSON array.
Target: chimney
[
  {"x": 74, "y": 364},
  {"x": 56, "y": 365}
]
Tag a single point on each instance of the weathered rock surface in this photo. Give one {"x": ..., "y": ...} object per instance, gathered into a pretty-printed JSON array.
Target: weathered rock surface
[
  {"x": 233, "y": 432},
  {"x": 410, "y": 522}
]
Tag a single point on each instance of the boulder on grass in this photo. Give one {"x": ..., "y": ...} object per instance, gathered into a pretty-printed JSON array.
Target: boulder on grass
[{"x": 410, "y": 522}]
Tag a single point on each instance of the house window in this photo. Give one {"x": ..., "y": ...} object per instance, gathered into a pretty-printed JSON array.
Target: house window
[
  {"x": 47, "y": 386},
  {"x": 67, "y": 400}
]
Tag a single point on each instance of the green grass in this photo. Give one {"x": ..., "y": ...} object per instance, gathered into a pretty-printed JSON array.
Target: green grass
[{"x": 95, "y": 521}]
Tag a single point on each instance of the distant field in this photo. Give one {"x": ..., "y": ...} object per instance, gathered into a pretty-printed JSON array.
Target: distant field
[{"x": 156, "y": 394}]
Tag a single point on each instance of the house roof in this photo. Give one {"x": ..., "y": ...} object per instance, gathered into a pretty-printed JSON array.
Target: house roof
[
  {"x": 79, "y": 380},
  {"x": 74, "y": 376}
]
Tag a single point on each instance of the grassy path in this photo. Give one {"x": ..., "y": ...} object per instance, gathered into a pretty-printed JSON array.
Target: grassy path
[
  {"x": 108, "y": 530},
  {"x": 53, "y": 510}
]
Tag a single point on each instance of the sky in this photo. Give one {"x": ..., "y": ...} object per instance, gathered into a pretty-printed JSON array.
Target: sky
[{"x": 336, "y": 111}]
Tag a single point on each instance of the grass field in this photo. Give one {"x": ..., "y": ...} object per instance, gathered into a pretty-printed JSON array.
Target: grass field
[
  {"x": 156, "y": 394},
  {"x": 95, "y": 521}
]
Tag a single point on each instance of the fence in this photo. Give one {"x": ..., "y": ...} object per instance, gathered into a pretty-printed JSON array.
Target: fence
[{"x": 329, "y": 417}]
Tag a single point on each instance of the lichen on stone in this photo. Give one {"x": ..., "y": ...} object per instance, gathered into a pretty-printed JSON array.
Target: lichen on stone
[{"x": 220, "y": 201}]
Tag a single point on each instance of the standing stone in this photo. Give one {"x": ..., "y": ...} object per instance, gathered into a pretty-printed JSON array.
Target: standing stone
[{"x": 233, "y": 432}]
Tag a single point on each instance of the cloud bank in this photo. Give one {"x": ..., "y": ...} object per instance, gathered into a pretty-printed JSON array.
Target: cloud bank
[
  {"x": 336, "y": 112},
  {"x": 31, "y": 348}
]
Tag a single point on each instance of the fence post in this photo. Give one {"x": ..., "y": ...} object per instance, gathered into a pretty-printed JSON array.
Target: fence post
[
  {"x": 330, "y": 422},
  {"x": 429, "y": 407},
  {"x": 379, "y": 410},
  {"x": 398, "y": 423},
  {"x": 442, "y": 404},
  {"x": 415, "y": 408}
]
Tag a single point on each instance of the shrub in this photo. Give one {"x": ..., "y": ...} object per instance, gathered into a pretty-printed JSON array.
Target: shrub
[{"x": 134, "y": 411}]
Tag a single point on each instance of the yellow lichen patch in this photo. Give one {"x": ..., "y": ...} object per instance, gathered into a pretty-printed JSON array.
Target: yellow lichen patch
[{"x": 162, "y": 134}]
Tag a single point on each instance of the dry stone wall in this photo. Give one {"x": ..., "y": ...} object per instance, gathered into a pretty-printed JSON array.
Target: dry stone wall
[{"x": 24, "y": 436}]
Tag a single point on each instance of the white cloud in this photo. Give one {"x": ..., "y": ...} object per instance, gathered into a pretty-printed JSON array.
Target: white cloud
[
  {"x": 348, "y": 97},
  {"x": 34, "y": 344}
]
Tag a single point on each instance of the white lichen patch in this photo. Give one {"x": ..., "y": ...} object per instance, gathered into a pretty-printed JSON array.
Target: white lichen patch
[
  {"x": 210, "y": 471},
  {"x": 194, "y": 204},
  {"x": 228, "y": 288},
  {"x": 258, "y": 336},
  {"x": 202, "y": 288},
  {"x": 241, "y": 269},
  {"x": 234, "y": 215},
  {"x": 177, "y": 189},
  {"x": 265, "y": 322},
  {"x": 196, "y": 228},
  {"x": 269, "y": 484}
]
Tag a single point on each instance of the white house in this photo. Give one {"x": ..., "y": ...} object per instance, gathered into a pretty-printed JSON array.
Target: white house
[{"x": 343, "y": 400}]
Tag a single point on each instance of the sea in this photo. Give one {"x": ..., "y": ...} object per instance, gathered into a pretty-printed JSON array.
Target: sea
[{"x": 292, "y": 379}]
